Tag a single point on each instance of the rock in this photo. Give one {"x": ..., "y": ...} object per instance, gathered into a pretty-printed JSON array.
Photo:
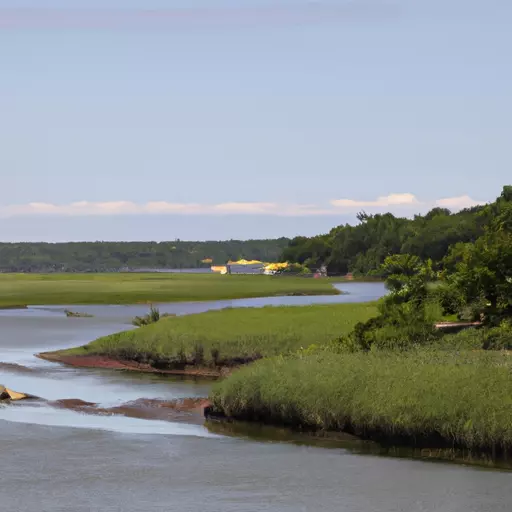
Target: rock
[{"x": 9, "y": 394}]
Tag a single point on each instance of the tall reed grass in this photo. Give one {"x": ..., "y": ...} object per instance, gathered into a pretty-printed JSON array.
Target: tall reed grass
[{"x": 422, "y": 397}]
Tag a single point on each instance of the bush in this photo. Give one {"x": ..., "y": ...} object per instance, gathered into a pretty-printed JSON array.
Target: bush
[
  {"x": 296, "y": 268},
  {"x": 151, "y": 318},
  {"x": 498, "y": 338},
  {"x": 399, "y": 326},
  {"x": 483, "y": 338},
  {"x": 449, "y": 298}
]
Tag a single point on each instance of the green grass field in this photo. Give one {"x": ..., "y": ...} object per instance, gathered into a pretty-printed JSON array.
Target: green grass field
[
  {"x": 126, "y": 288},
  {"x": 461, "y": 398},
  {"x": 230, "y": 336}
]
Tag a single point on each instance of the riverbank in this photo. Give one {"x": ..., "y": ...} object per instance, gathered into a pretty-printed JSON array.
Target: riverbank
[
  {"x": 18, "y": 290},
  {"x": 215, "y": 340},
  {"x": 110, "y": 363},
  {"x": 419, "y": 399}
]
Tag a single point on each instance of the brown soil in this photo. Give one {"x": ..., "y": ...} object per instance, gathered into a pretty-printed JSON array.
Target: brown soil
[
  {"x": 189, "y": 410},
  {"x": 120, "y": 364}
]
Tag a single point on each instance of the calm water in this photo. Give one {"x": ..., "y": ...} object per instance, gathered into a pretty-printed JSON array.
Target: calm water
[{"x": 61, "y": 460}]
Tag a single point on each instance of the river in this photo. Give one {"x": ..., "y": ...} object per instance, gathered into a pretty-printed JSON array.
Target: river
[{"x": 56, "y": 459}]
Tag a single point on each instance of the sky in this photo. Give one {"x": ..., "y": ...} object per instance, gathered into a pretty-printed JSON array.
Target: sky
[{"x": 219, "y": 119}]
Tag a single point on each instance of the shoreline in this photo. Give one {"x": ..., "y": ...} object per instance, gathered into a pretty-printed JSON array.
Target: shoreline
[
  {"x": 109, "y": 363},
  {"x": 431, "y": 445},
  {"x": 322, "y": 293}
]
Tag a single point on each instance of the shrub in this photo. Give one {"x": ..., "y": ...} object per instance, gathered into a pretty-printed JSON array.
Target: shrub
[
  {"x": 399, "y": 326},
  {"x": 151, "y": 318},
  {"x": 483, "y": 338},
  {"x": 449, "y": 298}
]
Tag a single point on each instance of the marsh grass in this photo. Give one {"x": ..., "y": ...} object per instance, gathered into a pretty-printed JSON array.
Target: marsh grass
[
  {"x": 421, "y": 397},
  {"x": 230, "y": 336},
  {"x": 149, "y": 318},
  {"x": 130, "y": 288}
]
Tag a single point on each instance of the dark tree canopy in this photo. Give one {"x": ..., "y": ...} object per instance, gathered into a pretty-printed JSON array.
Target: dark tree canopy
[
  {"x": 363, "y": 248},
  {"x": 113, "y": 256}
]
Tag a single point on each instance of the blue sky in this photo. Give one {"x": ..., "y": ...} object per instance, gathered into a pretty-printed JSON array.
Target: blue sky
[{"x": 222, "y": 119}]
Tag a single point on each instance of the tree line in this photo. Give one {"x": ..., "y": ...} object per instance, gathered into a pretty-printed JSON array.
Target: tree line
[
  {"x": 472, "y": 282},
  {"x": 115, "y": 256},
  {"x": 438, "y": 236}
]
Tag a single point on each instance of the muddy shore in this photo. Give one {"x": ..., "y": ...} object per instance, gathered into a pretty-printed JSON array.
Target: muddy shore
[
  {"x": 188, "y": 410},
  {"x": 105, "y": 362}
]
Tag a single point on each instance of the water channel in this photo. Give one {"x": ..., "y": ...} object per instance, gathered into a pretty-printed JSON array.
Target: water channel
[{"x": 55, "y": 459}]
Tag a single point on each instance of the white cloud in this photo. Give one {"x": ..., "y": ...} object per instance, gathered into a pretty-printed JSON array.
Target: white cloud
[
  {"x": 383, "y": 201},
  {"x": 399, "y": 203},
  {"x": 247, "y": 208},
  {"x": 457, "y": 203},
  {"x": 152, "y": 207}
]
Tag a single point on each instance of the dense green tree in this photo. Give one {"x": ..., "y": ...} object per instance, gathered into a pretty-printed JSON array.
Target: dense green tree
[
  {"x": 483, "y": 271},
  {"x": 112, "y": 256},
  {"x": 439, "y": 236}
]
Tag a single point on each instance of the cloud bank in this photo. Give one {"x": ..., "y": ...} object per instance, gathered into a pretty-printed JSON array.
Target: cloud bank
[{"x": 400, "y": 204}]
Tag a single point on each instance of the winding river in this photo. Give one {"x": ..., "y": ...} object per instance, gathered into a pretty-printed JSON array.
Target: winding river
[{"x": 57, "y": 459}]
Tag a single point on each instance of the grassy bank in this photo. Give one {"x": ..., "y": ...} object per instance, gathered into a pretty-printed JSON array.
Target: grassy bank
[
  {"x": 420, "y": 398},
  {"x": 126, "y": 288},
  {"x": 230, "y": 336}
]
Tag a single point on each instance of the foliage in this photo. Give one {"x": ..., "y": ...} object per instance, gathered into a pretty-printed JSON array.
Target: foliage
[
  {"x": 131, "y": 288},
  {"x": 296, "y": 268},
  {"x": 362, "y": 248},
  {"x": 406, "y": 315},
  {"x": 482, "y": 272},
  {"x": 150, "y": 318},
  {"x": 450, "y": 300},
  {"x": 484, "y": 338},
  {"x": 310, "y": 252},
  {"x": 113, "y": 256},
  {"x": 460, "y": 398},
  {"x": 231, "y": 336}
]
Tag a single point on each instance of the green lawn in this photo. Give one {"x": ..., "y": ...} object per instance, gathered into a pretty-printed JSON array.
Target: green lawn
[
  {"x": 230, "y": 336},
  {"x": 127, "y": 288}
]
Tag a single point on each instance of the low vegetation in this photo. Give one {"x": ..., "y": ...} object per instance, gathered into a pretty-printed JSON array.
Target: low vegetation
[
  {"x": 129, "y": 288},
  {"x": 230, "y": 336},
  {"x": 422, "y": 397},
  {"x": 150, "y": 318}
]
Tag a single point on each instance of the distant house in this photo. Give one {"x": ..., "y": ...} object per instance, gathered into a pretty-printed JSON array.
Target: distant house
[{"x": 245, "y": 267}]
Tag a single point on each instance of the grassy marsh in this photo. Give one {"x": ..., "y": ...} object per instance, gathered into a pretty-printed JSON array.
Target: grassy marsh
[
  {"x": 230, "y": 336},
  {"x": 132, "y": 288},
  {"x": 422, "y": 397}
]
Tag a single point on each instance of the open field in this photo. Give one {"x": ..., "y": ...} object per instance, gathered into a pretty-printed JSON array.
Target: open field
[
  {"x": 421, "y": 397},
  {"x": 130, "y": 288},
  {"x": 230, "y": 336}
]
